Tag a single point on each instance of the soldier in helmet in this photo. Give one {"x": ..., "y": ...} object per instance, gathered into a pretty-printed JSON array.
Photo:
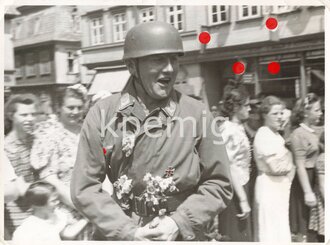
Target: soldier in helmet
[{"x": 170, "y": 177}]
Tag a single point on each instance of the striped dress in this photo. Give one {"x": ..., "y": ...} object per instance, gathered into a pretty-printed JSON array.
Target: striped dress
[
  {"x": 18, "y": 153},
  {"x": 317, "y": 214}
]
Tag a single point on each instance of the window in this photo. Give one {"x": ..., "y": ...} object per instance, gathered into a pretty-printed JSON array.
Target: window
[
  {"x": 119, "y": 27},
  {"x": 36, "y": 25},
  {"x": 17, "y": 30},
  {"x": 218, "y": 14},
  {"x": 73, "y": 65},
  {"x": 75, "y": 20},
  {"x": 97, "y": 33},
  {"x": 147, "y": 15},
  {"x": 44, "y": 64},
  {"x": 30, "y": 65},
  {"x": 18, "y": 66},
  {"x": 175, "y": 16},
  {"x": 283, "y": 9},
  {"x": 249, "y": 12}
]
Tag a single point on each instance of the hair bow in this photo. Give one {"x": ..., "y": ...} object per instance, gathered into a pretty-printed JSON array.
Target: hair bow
[{"x": 79, "y": 87}]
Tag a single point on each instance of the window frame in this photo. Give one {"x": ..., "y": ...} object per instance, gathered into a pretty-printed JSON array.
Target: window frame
[
  {"x": 30, "y": 64},
  {"x": 72, "y": 62},
  {"x": 44, "y": 61},
  {"x": 218, "y": 13},
  {"x": 17, "y": 29},
  {"x": 98, "y": 38},
  {"x": 240, "y": 12},
  {"x": 175, "y": 14},
  {"x": 288, "y": 9},
  {"x": 19, "y": 67},
  {"x": 119, "y": 36},
  {"x": 148, "y": 17}
]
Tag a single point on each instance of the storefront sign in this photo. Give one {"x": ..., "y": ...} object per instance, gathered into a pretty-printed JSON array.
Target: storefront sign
[
  {"x": 315, "y": 54},
  {"x": 248, "y": 78},
  {"x": 280, "y": 57}
]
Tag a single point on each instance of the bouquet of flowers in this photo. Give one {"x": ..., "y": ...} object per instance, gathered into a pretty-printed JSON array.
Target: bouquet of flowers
[
  {"x": 154, "y": 193},
  {"x": 153, "y": 198},
  {"x": 123, "y": 188}
]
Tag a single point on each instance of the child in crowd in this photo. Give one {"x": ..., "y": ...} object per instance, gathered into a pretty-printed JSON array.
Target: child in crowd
[{"x": 47, "y": 223}]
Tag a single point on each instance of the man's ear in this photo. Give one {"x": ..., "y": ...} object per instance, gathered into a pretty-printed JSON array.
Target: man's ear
[{"x": 131, "y": 66}]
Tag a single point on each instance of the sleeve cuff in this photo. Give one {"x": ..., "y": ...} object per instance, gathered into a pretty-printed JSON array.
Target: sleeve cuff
[
  {"x": 183, "y": 222},
  {"x": 125, "y": 232}
]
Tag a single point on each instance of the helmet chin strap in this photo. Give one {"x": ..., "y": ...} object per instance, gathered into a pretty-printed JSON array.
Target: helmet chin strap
[{"x": 138, "y": 76}]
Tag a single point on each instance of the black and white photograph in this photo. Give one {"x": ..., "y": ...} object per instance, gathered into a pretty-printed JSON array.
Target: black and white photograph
[{"x": 164, "y": 123}]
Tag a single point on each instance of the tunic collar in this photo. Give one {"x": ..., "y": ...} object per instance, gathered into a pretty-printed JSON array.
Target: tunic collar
[{"x": 129, "y": 103}]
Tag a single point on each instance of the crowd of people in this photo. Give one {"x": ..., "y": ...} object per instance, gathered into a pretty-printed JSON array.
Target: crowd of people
[
  {"x": 277, "y": 167},
  {"x": 273, "y": 171},
  {"x": 265, "y": 183}
]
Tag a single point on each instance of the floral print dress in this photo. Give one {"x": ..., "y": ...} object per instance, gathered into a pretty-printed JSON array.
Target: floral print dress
[{"x": 54, "y": 152}]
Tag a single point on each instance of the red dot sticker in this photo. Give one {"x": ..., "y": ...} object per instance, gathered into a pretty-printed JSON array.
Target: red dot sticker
[
  {"x": 274, "y": 67},
  {"x": 104, "y": 151},
  {"x": 238, "y": 68},
  {"x": 271, "y": 23},
  {"x": 204, "y": 37}
]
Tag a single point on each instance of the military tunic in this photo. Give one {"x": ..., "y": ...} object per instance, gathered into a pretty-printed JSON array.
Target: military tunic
[{"x": 199, "y": 160}]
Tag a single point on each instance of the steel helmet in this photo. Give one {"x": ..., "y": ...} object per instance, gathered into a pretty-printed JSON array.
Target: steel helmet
[{"x": 152, "y": 38}]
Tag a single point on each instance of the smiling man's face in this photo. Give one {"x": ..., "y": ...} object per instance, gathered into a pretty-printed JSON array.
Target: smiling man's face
[{"x": 158, "y": 74}]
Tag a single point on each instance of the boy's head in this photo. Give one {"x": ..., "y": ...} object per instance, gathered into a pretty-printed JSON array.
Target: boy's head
[{"x": 42, "y": 195}]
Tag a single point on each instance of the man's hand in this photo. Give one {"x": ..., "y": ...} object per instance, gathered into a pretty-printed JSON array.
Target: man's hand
[
  {"x": 146, "y": 234},
  {"x": 167, "y": 227}
]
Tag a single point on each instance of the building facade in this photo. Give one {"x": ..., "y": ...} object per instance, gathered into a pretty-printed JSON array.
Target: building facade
[
  {"x": 47, "y": 41},
  {"x": 238, "y": 33},
  {"x": 9, "y": 67}
]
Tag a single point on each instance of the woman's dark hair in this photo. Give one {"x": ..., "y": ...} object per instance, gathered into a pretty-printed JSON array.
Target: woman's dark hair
[
  {"x": 39, "y": 192},
  {"x": 235, "y": 94},
  {"x": 300, "y": 107},
  {"x": 11, "y": 107}
]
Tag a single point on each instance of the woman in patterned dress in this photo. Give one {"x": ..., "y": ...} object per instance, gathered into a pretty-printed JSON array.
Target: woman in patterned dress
[
  {"x": 235, "y": 222},
  {"x": 55, "y": 147}
]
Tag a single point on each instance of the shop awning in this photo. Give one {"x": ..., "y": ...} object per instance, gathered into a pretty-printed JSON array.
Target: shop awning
[
  {"x": 319, "y": 74},
  {"x": 111, "y": 80}
]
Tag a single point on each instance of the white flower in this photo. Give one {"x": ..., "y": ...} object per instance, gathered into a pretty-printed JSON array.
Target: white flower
[
  {"x": 118, "y": 193},
  {"x": 147, "y": 177},
  {"x": 123, "y": 179},
  {"x": 158, "y": 179},
  {"x": 163, "y": 185},
  {"x": 154, "y": 200},
  {"x": 173, "y": 188},
  {"x": 127, "y": 186}
]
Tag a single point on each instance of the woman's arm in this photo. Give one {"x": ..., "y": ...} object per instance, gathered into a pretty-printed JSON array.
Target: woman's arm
[
  {"x": 321, "y": 185},
  {"x": 300, "y": 158},
  {"x": 309, "y": 196},
  {"x": 233, "y": 146},
  {"x": 71, "y": 231},
  {"x": 241, "y": 194}
]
